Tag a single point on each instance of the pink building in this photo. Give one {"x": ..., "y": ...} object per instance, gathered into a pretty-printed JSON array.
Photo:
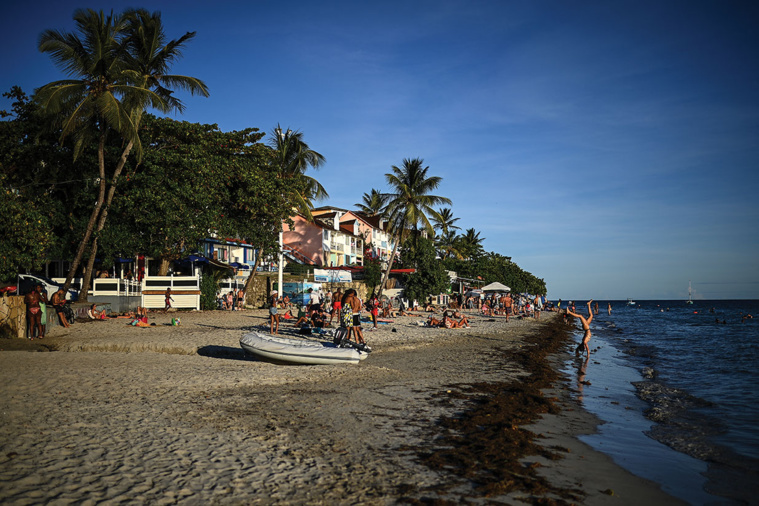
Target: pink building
[{"x": 324, "y": 241}]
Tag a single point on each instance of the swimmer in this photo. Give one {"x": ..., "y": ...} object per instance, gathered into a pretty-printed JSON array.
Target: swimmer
[
  {"x": 586, "y": 328},
  {"x": 609, "y": 308}
]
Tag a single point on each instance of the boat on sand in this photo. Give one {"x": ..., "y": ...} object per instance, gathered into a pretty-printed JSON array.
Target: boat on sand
[{"x": 297, "y": 351}]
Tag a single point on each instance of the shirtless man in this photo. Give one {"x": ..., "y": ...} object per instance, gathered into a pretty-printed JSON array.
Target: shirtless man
[
  {"x": 585, "y": 327},
  {"x": 355, "y": 303},
  {"x": 507, "y": 305}
]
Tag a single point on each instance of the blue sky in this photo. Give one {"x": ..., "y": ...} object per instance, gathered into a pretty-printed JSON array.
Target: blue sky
[{"x": 610, "y": 148}]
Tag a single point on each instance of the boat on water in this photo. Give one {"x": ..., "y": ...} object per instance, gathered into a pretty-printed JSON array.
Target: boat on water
[
  {"x": 297, "y": 351},
  {"x": 690, "y": 295},
  {"x": 630, "y": 302}
]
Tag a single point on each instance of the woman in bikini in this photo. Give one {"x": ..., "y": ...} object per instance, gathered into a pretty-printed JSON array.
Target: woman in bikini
[{"x": 34, "y": 313}]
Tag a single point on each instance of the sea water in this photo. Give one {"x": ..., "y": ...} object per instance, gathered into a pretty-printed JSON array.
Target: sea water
[{"x": 677, "y": 389}]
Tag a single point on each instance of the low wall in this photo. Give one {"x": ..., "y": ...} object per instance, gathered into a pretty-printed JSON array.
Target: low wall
[
  {"x": 12, "y": 316},
  {"x": 258, "y": 295}
]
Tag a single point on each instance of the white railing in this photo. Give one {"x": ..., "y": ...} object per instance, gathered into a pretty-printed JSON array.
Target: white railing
[
  {"x": 116, "y": 286},
  {"x": 185, "y": 290}
]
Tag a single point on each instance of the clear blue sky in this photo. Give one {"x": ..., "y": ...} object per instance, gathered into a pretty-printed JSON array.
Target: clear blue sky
[{"x": 610, "y": 148}]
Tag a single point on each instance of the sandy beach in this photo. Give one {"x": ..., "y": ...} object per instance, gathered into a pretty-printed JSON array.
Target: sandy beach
[{"x": 178, "y": 415}]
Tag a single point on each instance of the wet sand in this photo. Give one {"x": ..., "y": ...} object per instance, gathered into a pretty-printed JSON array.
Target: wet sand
[{"x": 177, "y": 415}]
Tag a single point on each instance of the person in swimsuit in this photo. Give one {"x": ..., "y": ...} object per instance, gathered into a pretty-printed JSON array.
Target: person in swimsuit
[
  {"x": 273, "y": 316},
  {"x": 59, "y": 301},
  {"x": 586, "y": 328},
  {"x": 337, "y": 305},
  {"x": 34, "y": 313}
]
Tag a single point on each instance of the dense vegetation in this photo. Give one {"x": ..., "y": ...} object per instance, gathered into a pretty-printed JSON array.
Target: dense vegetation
[{"x": 86, "y": 172}]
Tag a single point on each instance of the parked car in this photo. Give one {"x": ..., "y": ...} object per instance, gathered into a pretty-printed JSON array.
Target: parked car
[{"x": 27, "y": 282}]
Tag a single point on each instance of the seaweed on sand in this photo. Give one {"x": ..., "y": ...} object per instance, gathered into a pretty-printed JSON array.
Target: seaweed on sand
[{"x": 484, "y": 445}]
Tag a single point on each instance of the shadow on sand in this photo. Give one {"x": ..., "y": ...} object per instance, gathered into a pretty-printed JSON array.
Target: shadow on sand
[{"x": 223, "y": 352}]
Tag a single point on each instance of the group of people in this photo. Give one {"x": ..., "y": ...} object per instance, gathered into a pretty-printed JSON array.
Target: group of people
[
  {"x": 345, "y": 306},
  {"x": 234, "y": 300},
  {"x": 449, "y": 320},
  {"x": 36, "y": 310}
]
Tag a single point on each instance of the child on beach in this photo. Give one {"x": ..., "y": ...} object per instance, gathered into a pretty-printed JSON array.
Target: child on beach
[
  {"x": 169, "y": 299},
  {"x": 586, "y": 328}
]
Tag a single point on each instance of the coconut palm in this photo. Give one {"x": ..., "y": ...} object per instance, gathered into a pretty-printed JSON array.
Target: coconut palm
[
  {"x": 448, "y": 245},
  {"x": 292, "y": 157},
  {"x": 107, "y": 92},
  {"x": 471, "y": 244},
  {"x": 444, "y": 221},
  {"x": 410, "y": 203},
  {"x": 373, "y": 203}
]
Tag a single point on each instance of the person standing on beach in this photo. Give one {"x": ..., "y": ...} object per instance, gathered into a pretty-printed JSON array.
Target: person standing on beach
[
  {"x": 169, "y": 299},
  {"x": 374, "y": 304},
  {"x": 586, "y": 328},
  {"x": 355, "y": 304},
  {"x": 337, "y": 305},
  {"x": 538, "y": 306},
  {"x": 508, "y": 303},
  {"x": 34, "y": 313},
  {"x": 43, "y": 307},
  {"x": 273, "y": 316}
]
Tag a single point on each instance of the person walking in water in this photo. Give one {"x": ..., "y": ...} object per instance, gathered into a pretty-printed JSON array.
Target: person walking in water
[
  {"x": 585, "y": 327},
  {"x": 609, "y": 308}
]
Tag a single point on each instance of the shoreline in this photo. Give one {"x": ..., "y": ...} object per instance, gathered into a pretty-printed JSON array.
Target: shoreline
[{"x": 185, "y": 410}]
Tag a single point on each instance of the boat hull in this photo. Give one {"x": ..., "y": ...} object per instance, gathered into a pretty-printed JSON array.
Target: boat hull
[{"x": 295, "y": 351}]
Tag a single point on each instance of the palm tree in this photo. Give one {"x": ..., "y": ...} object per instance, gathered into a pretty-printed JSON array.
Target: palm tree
[
  {"x": 449, "y": 245},
  {"x": 471, "y": 243},
  {"x": 444, "y": 221},
  {"x": 108, "y": 91},
  {"x": 410, "y": 202},
  {"x": 373, "y": 203},
  {"x": 292, "y": 157},
  {"x": 148, "y": 59}
]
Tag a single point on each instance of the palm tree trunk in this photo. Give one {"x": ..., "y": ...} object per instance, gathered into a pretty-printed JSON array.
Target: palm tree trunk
[
  {"x": 93, "y": 217},
  {"x": 104, "y": 207},
  {"x": 386, "y": 274}
]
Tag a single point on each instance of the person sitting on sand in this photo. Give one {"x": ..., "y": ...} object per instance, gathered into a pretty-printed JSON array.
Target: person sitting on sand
[
  {"x": 304, "y": 316},
  {"x": 434, "y": 322},
  {"x": 450, "y": 323},
  {"x": 586, "y": 328},
  {"x": 94, "y": 314}
]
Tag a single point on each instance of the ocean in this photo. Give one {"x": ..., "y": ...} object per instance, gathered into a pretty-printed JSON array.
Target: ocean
[{"x": 676, "y": 387}]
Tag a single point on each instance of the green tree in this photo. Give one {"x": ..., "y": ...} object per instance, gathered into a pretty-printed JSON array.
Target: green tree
[
  {"x": 448, "y": 245},
  {"x": 111, "y": 85},
  {"x": 24, "y": 232},
  {"x": 179, "y": 192},
  {"x": 410, "y": 202},
  {"x": 430, "y": 276},
  {"x": 292, "y": 158},
  {"x": 470, "y": 244},
  {"x": 373, "y": 204},
  {"x": 372, "y": 272},
  {"x": 444, "y": 221}
]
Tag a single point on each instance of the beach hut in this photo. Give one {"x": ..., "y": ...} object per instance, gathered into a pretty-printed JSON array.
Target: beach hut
[{"x": 496, "y": 287}]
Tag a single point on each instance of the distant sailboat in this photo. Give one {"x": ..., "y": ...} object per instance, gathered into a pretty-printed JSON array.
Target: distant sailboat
[
  {"x": 690, "y": 295},
  {"x": 630, "y": 302}
]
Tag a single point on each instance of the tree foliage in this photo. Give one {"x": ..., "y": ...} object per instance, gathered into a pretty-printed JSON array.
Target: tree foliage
[
  {"x": 430, "y": 277},
  {"x": 496, "y": 267}
]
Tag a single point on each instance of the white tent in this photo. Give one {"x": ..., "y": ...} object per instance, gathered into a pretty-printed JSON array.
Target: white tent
[{"x": 496, "y": 287}]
